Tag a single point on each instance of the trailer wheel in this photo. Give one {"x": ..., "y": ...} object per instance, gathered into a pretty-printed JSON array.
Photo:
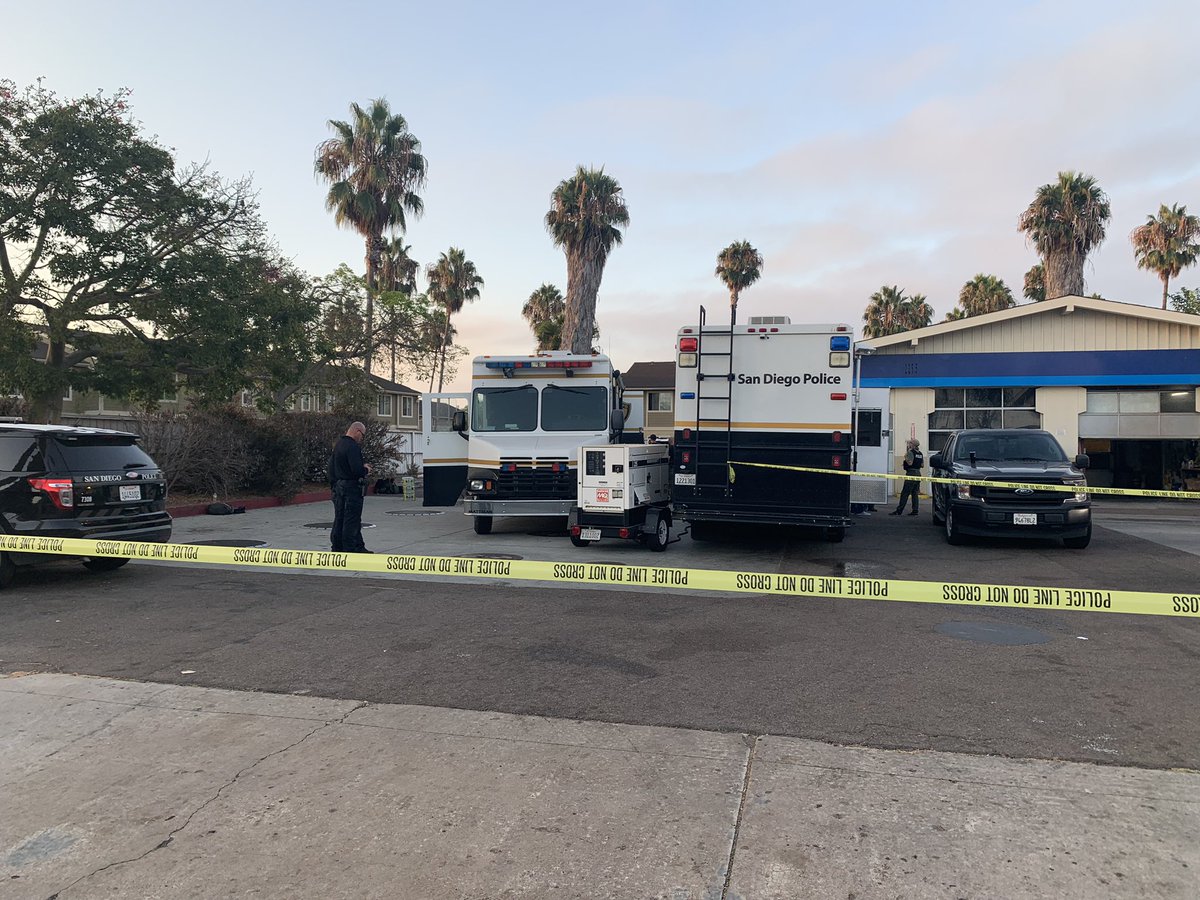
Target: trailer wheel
[
  {"x": 835, "y": 534},
  {"x": 579, "y": 542},
  {"x": 105, "y": 563},
  {"x": 483, "y": 524},
  {"x": 658, "y": 539}
]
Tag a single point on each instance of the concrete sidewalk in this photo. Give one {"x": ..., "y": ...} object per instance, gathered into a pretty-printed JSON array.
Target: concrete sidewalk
[{"x": 125, "y": 789}]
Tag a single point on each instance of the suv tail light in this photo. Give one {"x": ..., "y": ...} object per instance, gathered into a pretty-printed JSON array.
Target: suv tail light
[{"x": 60, "y": 490}]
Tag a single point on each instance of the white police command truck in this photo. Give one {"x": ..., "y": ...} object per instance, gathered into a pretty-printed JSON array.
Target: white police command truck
[
  {"x": 515, "y": 450},
  {"x": 767, "y": 393}
]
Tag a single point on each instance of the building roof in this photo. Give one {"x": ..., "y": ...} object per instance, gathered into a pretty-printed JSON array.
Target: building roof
[
  {"x": 392, "y": 387},
  {"x": 1063, "y": 305},
  {"x": 650, "y": 375}
]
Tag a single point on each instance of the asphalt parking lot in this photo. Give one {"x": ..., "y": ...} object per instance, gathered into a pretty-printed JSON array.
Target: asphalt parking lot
[{"x": 831, "y": 745}]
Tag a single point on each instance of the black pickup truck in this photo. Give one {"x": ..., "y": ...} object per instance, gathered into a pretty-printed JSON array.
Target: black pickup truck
[{"x": 1029, "y": 457}]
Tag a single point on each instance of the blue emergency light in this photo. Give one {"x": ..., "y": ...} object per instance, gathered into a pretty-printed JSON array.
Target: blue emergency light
[{"x": 839, "y": 342}]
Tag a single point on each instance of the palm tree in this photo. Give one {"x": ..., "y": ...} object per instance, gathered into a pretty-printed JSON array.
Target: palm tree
[
  {"x": 739, "y": 265},
  {"x": 374, "y": 168},
  {"x": 884, "y": 314},
  {"x": 955, "y": 314},
  {"x": 915, "y": 312},
  {"x": 544, "y": 311},
  {"x": 985, "y": 294},
  {"x": 1167, "y": 243},
  {"x": 397, "y": 270},
  {"x": 1065, "y": 222},
  {"x": 1035, "y": 283},
  {"x": 587, "y": 213},
  {"x": 453, "y": 282}
]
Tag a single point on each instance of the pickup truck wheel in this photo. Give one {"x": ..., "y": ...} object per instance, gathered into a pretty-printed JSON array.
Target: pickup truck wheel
[
  {"x": 953, "y": 535},
  {"x": 483, "y": 524},
  {"x": 658, "y": 539},
  {"x": 579, "y": 542},
  {"x": 105, "y": 563},
  {"x": 1078, "y": 543},
  {"x": 937, "y": 520},
  {"x": 7, "y": 570}
]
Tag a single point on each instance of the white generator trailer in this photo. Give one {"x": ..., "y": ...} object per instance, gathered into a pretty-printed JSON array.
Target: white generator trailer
[{"x": 623, "y": 493}]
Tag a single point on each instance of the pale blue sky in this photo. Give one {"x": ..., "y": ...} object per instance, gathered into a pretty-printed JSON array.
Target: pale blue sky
[{"x": 855, "y": 146}]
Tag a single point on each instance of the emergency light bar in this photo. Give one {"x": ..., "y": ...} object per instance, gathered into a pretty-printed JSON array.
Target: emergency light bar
[{"x": 540, "y": 364}]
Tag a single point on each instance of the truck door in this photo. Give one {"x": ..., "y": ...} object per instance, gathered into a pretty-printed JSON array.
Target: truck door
[
  {"x": 444, "y": 450},
  {"x": 872, "y": 442}
]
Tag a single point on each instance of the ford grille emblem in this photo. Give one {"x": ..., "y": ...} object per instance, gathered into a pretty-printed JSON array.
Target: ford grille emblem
[{"x": 1024, "y": 490}]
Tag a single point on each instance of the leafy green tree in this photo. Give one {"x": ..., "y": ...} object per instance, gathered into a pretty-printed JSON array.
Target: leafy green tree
[
  {"x": 1167, "y": 243},
  {"x": 544, "y": 311},
  {"x": 453, "y": 282},
  {"x": 1186, "y": 300},
  {"x": 131, "y": 269},
  {"x": 1034, "y": 287},
  {"x": 587, "y": 213},
  {"x": 739, "y": 265},
  {"x": 375, "y": 169},
  {"x": 1065, "y": 221},
  {"x": 985, "y": 294}
]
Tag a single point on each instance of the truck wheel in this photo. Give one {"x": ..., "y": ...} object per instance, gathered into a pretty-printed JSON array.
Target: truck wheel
[
  {"x": 7, "y": 570},
  {"x": 938, "y": 521},
  {"x": 700, "y": 531},
  {"x": 483, "y": 524},
  {"x": 658, "y": 539},
  {"x": 579, "y": 542},
  {"x": 835, "y": 534},
  {"x": 105, "y": 563},
  {"x": 1078, "y": 543},
  {"x": 953, "y": 535}
]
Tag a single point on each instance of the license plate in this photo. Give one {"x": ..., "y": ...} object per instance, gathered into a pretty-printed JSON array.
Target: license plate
[
  {"x": 1024, "y": 518},
  {"x": 681, "y": 478},
  {"x": 131, "y": 492},
  {"x": 589, "y": 534}
]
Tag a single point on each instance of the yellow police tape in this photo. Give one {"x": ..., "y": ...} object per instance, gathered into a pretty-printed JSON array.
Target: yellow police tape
[
  {"x": 676, "y": 579},
  {"x": 1037, "y": 485}
]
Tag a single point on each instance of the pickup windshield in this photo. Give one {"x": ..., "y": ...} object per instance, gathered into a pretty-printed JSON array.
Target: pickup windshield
[
  {"x": 504, "y": 408},
  {"x": 1023, "y": 448},
  {"x": 574, "y": 408}
]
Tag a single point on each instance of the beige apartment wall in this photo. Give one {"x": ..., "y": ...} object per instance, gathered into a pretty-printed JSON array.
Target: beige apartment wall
[
  {"x": 910, "y": 416},
  {"x": 1060, "y": 408}
]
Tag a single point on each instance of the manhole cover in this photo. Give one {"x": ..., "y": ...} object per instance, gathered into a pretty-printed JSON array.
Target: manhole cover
[
  {"x": 416, "y": 512},
  {"x": 330, "y": 525},
  {"x": 232, "y": 542},
  {"x": 487, "y": 556},
  {"x": 992, "y": 633}
]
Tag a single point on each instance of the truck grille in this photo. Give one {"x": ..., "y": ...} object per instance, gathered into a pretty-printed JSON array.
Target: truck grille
[
  {"x": 541, "y": 483},
  {"x": 1030, "y": 495}
]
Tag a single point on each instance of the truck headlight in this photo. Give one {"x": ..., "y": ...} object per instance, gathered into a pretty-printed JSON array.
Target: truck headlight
[
  {"x": 1080, "y": 494},
  {"x": 963, "y": 492},
  {"x": 478, "y": 484}
]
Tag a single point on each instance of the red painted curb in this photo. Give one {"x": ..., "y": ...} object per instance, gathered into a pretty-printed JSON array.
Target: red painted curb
[{"x": 201, "y": 509}]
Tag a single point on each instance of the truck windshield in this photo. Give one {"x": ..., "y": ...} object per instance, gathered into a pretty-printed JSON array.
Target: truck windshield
[
  {"x": 574, "y": 408},
  {"x": 1030, "y": 447},
  {"x": 504, "y": 408}
]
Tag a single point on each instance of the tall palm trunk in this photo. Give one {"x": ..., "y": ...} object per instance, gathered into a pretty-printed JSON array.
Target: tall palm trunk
[
  {"x": 1166, "y": 278},
  {"x": 445, "y": 341},
  {"x": 375, "y": 249},
  {"x": 733, "y": 302},
  {"x": 1064, "y": 274},
  {"x": 584, "y": 271}
]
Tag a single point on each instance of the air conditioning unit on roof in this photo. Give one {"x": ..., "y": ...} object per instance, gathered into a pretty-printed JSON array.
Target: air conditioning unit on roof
[{"x": 770, "y": 320}]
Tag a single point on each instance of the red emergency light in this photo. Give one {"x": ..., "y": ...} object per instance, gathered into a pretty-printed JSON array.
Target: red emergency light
[{"x": 689, "y": 345}]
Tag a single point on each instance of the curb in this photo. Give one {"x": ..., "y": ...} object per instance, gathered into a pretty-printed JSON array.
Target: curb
[{"x": 201, "y": 509}]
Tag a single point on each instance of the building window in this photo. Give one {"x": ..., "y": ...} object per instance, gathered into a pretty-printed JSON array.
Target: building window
[
  {"x": 305, "y": 402},
  {"x": 1177, "y": 401},
  {"x": 247, "y": 398},
  {"x": 406, "y": 407},
  {"x": 983, "y": 407},
  {"x": 385, "y": 404},
  {"x": 69, "y": 395},
  {"x": 1112, "y": 403},
  {"x": 660, "y": 401}
]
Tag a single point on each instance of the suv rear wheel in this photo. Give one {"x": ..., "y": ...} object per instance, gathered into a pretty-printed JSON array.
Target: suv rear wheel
[{"x": 1078, "y": 543}]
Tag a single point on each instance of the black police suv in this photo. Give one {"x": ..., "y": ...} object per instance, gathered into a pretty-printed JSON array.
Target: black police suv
[
  {"x": 1029, "y": 457},
  {"x": 63, "y": 482}
]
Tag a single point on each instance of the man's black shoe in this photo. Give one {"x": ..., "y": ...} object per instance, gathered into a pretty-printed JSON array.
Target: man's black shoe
[
  {"x": 913, "y": 513},
  {"x": 894, "y": 512}
]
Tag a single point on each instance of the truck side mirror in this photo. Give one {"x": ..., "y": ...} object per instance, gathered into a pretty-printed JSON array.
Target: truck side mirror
[
  {"x": 458, "y": 421},
  {"x": 935, "y": 461},
  {"x": 1082, "y": 461},
  {"x": 616, "y": 420}
]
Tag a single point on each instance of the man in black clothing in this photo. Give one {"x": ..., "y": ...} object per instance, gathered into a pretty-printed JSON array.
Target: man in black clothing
[
  {"x": 346, "y": 471},
  {"x": 914, "y": 460}
]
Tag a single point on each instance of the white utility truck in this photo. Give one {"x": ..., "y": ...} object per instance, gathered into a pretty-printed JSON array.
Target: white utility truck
[
  {"x": 518, "y": 444},
  {"x": 623, "y": 493},
  {"x": 769, "y": 393}
]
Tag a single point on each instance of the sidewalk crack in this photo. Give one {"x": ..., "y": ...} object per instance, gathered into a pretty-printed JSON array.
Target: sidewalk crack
[
  {"x": 165, "y": 842},
  {"x": 752, "y": 740}
]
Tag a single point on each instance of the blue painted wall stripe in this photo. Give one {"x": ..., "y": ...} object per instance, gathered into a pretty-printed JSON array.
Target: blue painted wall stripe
[{"x": 1098, "y": 368}]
